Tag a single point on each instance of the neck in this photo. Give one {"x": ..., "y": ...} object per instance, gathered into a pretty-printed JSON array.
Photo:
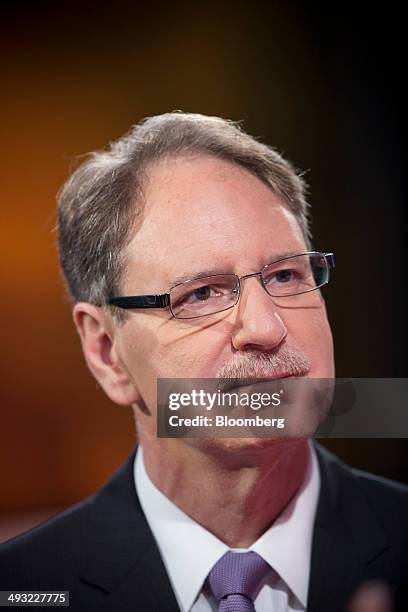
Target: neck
[{"x": 234, "y": 491}]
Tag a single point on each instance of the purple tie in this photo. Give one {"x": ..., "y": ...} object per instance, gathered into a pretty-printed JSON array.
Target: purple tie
[{"x": 235, "y": 580}]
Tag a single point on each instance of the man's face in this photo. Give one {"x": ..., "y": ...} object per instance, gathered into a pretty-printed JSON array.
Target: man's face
[{"x": 204, "y": 214}]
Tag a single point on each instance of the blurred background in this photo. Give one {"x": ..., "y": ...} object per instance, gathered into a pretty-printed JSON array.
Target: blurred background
[{"x": 322, "y": 83}]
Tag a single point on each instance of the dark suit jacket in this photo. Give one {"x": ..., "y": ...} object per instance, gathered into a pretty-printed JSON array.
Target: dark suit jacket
[{"x": 103, "y": 551}]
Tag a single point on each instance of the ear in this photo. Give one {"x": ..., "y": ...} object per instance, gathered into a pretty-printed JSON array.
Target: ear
[{"x": 97, "y": 332}]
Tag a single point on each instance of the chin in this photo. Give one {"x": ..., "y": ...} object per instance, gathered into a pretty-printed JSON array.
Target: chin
[{"x": 247, "y": 449}]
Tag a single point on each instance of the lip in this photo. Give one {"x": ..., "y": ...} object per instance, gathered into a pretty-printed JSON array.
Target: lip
[
  {"x": 235, "y": 383},
  {"x": 273, "y": 376}
]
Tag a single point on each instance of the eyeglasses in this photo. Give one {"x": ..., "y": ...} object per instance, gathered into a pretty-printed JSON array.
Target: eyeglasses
[{"x": 206, "y": 295}]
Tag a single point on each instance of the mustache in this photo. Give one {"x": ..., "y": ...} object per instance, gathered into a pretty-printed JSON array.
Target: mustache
[{"x": 286, "y": 361}]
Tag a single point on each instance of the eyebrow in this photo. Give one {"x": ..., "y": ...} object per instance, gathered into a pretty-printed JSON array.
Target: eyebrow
[
  {"x": 190, "y": 275},
  {"x": 185, "y": 276}
]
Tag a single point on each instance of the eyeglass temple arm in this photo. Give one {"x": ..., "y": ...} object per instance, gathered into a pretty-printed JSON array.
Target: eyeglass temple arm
[
  {"x": 142, "y": 301},
  {"x": 331, "y": 260}
]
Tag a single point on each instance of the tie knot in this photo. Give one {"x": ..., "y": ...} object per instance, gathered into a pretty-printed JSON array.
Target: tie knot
[{"x": 238, "y": 574}]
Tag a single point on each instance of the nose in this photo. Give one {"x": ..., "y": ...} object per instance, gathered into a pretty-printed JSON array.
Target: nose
[{"x": 258, "y": 325}]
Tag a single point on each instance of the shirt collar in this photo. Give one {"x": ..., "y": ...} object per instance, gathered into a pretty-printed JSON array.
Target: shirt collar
[{"x": 286, "y": 545}]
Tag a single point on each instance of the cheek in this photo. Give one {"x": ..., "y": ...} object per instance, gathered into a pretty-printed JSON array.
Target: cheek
[
  {"x": 314, "y": 337},
  {"x": 190, "y": 350},
  {"x": 191, "y": 356},
  {"x": 176, "y": 351}
]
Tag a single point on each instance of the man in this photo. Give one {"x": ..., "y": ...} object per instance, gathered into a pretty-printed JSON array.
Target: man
[{"x": 205, "y": 523}]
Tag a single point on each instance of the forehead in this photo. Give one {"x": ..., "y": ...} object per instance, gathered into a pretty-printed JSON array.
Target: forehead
[{"x": 205, "y": 213}]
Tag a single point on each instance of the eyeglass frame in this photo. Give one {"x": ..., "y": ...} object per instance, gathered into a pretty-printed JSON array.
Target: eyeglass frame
[{"x": 162, "y": 300}]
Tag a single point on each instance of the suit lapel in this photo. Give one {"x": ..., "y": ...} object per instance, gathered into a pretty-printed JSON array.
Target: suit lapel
[
  {"x": 347, "y": 536},
  {"x": 119, "y": 555}
]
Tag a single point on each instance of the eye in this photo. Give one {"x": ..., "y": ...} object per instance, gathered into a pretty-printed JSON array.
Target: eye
[
  {"x": 201, "y": 294},
  {"x": 283, "y": 277},
  {"x": 204, "y": 295}
]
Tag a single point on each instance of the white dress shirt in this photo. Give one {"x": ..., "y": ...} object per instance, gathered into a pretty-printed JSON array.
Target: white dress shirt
[{"x": 189, "y": 551}]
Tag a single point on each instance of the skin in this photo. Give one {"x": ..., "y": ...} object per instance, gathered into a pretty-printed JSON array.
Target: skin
[{"x": 203, "y": 213}]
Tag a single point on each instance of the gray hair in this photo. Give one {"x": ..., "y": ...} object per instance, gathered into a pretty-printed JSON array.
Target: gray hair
[{"x": 102, "y": 201}]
